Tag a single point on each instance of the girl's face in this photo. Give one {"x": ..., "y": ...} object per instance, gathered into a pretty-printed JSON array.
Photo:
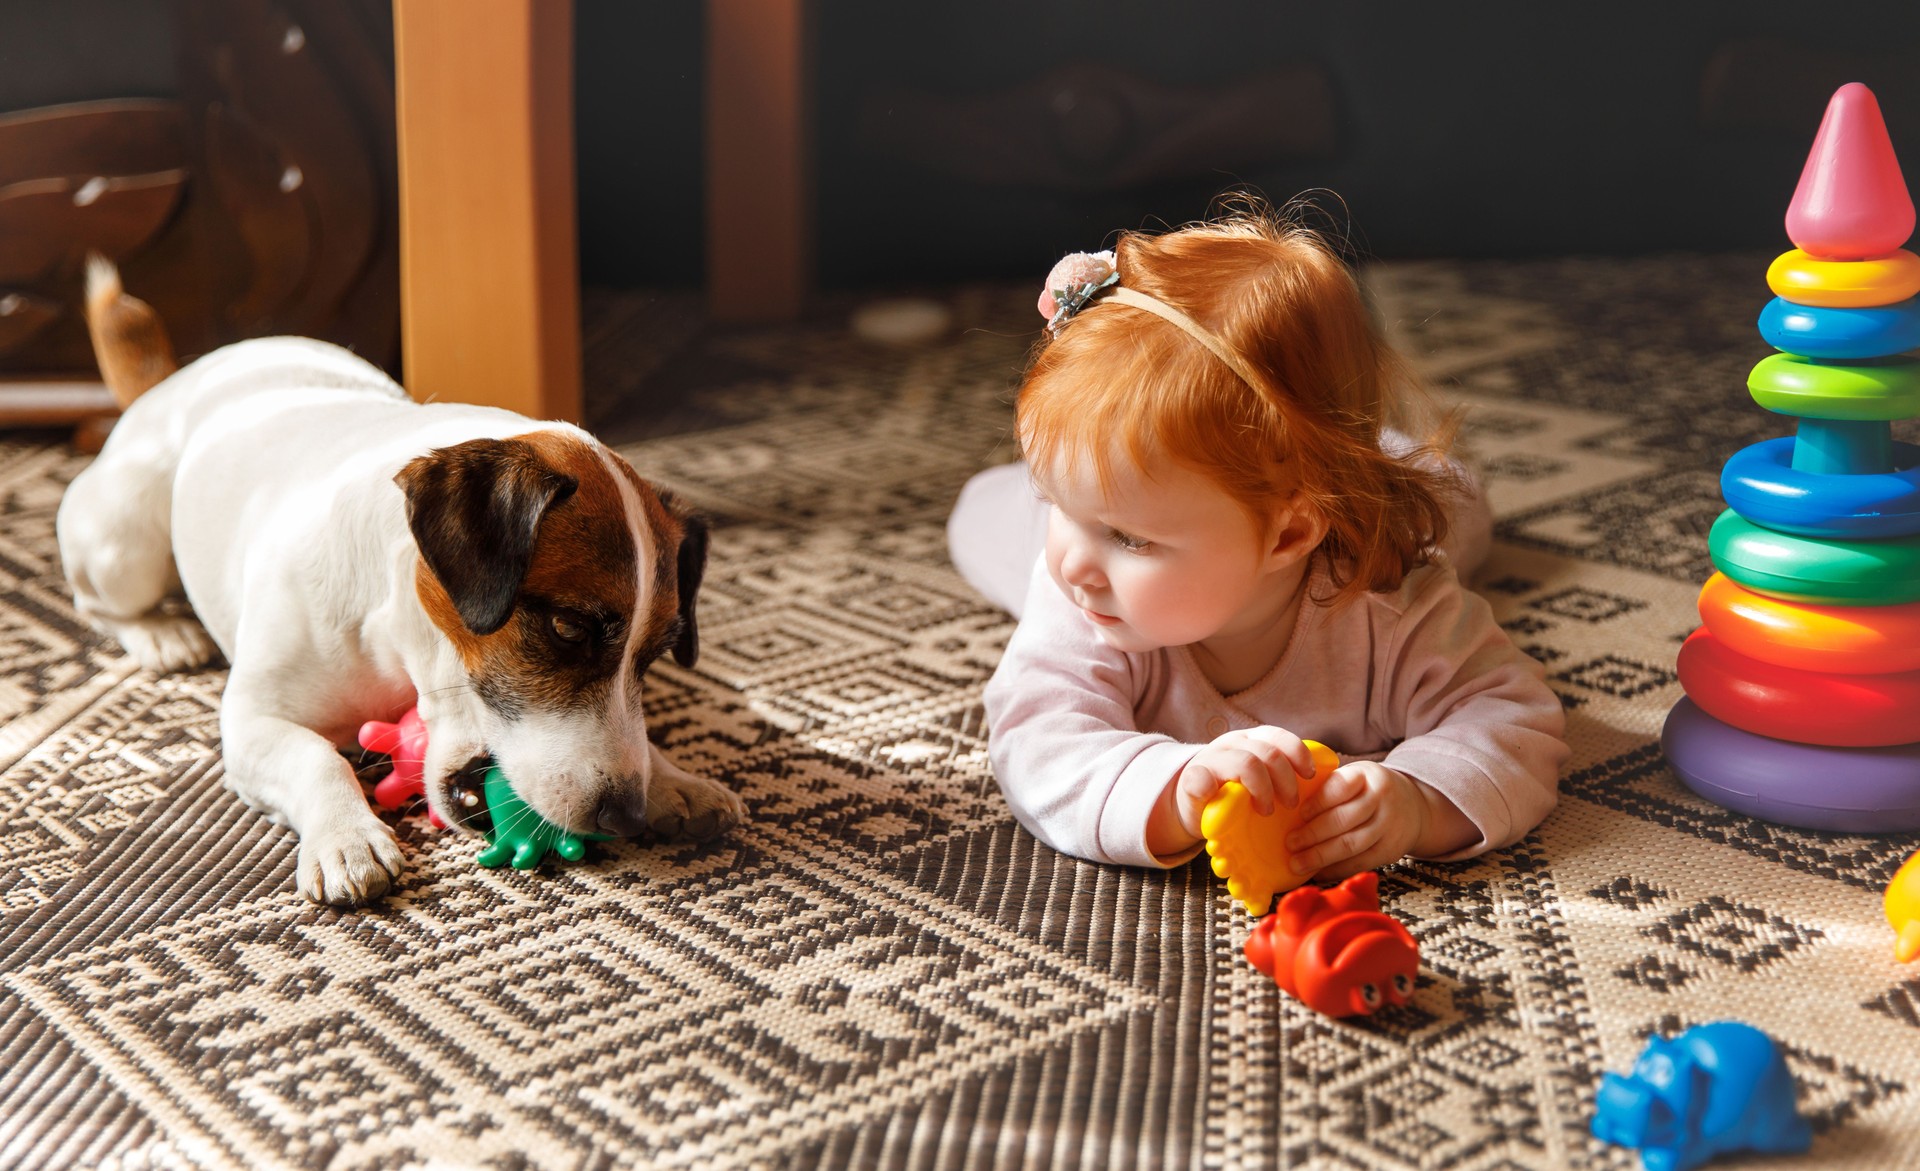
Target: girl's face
[{"x": 1160, "y": 560}]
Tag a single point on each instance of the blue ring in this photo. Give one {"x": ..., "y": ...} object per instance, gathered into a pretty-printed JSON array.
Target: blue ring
[
  {"x": 1848, "y": 790},
  {"x": 1814, "y": 331},
  {"x": 1761, "y": 484}
]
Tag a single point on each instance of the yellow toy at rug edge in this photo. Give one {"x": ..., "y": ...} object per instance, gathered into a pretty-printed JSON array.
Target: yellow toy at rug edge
[
  {"x": 1250, "y": 851},
  {"x": 1903, "y": 910}
]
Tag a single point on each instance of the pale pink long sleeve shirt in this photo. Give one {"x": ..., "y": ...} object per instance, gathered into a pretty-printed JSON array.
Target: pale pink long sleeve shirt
[{"x": 1084, "y": 738}]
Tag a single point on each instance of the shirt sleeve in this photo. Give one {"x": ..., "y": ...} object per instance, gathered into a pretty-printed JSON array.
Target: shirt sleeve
[
  {"x": 1075, "y": 768},
  {"x": 1475, "y": 717}
]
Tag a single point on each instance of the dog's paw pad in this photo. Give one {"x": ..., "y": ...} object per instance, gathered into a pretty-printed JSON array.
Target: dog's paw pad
[
  {"x": 165, "y": 642},
  {"x": 350, "y": 864}
]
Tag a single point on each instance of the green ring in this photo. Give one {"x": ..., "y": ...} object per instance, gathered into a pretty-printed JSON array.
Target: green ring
[
  {"x": 1806, "y": 569},
  {"x": 1807, "y": 388}
]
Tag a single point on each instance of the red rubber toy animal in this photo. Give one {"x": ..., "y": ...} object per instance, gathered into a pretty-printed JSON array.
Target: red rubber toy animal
[{"x": 1335, "y": 951}]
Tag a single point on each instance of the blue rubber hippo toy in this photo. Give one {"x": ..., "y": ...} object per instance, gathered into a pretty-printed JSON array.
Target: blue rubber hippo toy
[{"x": 1712, "y": 1090}]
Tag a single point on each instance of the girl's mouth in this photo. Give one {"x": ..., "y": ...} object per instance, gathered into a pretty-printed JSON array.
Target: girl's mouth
[{"x": 1099, "y": 619}]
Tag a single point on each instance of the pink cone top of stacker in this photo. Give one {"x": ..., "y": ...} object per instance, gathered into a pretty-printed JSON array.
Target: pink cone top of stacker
[{"x": 1852, "y": 202}]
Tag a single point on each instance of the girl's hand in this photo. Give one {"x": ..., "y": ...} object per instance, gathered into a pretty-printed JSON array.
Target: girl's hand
[
  {"x": 1364, "y": 817},
  {"x": 1268, "y": 761}
]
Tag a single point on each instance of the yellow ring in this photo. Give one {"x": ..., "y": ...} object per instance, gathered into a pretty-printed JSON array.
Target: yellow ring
[{"x": 1844, "y": 284}]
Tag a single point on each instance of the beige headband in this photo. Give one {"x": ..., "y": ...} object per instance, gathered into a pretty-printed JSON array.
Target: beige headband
[{"x": 1126, "y": 296}]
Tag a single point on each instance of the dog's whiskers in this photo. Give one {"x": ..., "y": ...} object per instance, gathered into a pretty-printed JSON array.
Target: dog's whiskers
[
  {"x": 450, "y": 689},
  {"x": 525, "y": 813}
]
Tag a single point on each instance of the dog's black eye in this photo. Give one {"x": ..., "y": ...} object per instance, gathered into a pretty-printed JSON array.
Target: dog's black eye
[{"x": 567, "y": 629}]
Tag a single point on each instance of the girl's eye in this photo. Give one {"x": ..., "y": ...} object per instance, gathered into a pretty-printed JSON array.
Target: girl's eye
[
  {"x": 1121, "y": 539},
  {"x": 567, "y": 629}
]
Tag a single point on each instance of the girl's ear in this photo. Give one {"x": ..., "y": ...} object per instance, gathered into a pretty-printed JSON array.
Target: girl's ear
[{"x": 1298, "y": 531}]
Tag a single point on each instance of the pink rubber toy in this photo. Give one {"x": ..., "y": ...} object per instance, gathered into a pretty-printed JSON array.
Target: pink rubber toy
[
  {"x": 1852, "y": 201},
  {"x": 406, "y": 742}
]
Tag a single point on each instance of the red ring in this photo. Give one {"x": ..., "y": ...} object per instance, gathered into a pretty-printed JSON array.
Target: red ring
[{"x": 1809, "y": 707}]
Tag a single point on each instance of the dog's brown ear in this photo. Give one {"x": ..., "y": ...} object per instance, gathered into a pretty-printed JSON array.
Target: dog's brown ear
[
  {"x": 693, "y": 566},
  {"x": 475, "y": 509}
]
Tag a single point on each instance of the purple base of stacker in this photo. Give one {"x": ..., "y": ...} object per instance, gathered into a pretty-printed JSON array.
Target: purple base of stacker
[{"x": 1849, "y": 790}]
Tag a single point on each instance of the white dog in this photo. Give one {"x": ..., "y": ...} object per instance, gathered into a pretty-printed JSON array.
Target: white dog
[{"x": 353, "y": 552}]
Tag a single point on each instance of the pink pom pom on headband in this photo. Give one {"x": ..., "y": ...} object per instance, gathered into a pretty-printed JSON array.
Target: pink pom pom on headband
[
  {"x": 1079, "y": 277},
  {"x": 1072, "y": 282}
]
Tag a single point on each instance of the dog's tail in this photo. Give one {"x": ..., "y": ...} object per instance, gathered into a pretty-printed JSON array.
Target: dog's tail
[{"x": 128, "y": 339}]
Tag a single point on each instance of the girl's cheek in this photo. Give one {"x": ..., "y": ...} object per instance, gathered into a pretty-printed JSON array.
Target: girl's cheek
[{"x": 1140, "y": 586}]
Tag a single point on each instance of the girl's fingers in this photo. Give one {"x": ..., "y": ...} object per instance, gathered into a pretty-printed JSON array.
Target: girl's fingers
[
  {"x": 1199, "y": 784},
  {"x": 1196, "y": 787},
  {"x": 1350, "y": 844},
  {"x": 1201, "y": 781},
  {"x": 1335, "y": 871},
  {"x": 1343, "y": 786},
  {"x": 1330, "y": 824},
  {"x": 1283, "y": 787},
  {"x": 1257, "y": 776},
  {"x": 1186, "y": 810},
  {"x": 1291, "y": 748},
  {"x": 1253, "y": 773},
  {"x": 1283, "y": 777}
]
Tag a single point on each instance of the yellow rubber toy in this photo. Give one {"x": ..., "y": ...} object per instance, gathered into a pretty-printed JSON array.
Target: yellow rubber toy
[
  {"x": 1844, "y": 284},
  {"x": 1250, "y": 851},
  {"x": 1903, "y": 910}
]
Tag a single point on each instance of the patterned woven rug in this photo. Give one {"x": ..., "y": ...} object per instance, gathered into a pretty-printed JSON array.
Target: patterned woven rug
[{"x": 881, "y": 969}]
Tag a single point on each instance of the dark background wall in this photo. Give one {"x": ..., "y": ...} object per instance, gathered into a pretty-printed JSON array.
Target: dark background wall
[{"x": 1460, "y": 129}]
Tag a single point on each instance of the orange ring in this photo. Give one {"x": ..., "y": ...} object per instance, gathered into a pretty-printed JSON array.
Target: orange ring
[
  {"x": 1808, "y": 707},
  {"x": 1844, "y": 284},
  {"x": 1846, "y": 640}
]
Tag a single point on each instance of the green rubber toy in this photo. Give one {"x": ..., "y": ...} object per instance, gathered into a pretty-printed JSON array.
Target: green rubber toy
[{"x": 521, "y": 836}]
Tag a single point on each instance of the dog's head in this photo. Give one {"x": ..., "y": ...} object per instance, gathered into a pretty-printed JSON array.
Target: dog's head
[{"x": 559, "y": 576}]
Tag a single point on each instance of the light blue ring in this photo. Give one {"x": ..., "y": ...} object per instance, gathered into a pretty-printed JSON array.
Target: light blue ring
[
  {"x": 1761, "y": 484},
  {"x": 1814, "y": 331}
]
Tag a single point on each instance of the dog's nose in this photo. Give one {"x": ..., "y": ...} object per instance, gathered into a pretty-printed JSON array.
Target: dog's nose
[{"x": 622, "y": 816}]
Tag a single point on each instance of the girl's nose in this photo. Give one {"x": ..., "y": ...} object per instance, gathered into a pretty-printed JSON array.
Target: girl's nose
[{"x": 1079, "y": 566}]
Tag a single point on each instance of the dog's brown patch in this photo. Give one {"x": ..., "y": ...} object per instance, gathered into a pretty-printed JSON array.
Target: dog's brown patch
[{"x": 582, "y": 579}]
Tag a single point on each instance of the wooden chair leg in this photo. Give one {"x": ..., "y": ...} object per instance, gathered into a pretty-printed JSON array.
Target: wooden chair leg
[
  {"x": 758, "y": 216},
  {"x": 489, "y": 274}
]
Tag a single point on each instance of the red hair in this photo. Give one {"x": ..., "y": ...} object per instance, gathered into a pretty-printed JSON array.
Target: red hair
[{"x": 1116, "y": 377}]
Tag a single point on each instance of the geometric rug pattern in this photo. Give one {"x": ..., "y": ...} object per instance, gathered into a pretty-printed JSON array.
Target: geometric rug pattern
[{"x": 880, "y": 968}]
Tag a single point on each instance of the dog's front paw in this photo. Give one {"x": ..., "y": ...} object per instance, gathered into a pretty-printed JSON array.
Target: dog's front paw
[
  {"x": 686, "y": 806},
  {"x": 349, "y": 861}
]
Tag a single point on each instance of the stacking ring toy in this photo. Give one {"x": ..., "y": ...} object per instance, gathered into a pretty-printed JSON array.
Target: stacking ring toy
[
  {"x": 1844, "y": 284},
  {"x": 1817, "y": 332},
  {"x": 1810, "y": 707},
  {"x": 1882, "y": 389},
  {"x": 1844, "y": 790},
  {"x": 1803, "y": 569},
  {"x": 1847, "y": 640},
  {"x": 1761, "y": 484}
]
